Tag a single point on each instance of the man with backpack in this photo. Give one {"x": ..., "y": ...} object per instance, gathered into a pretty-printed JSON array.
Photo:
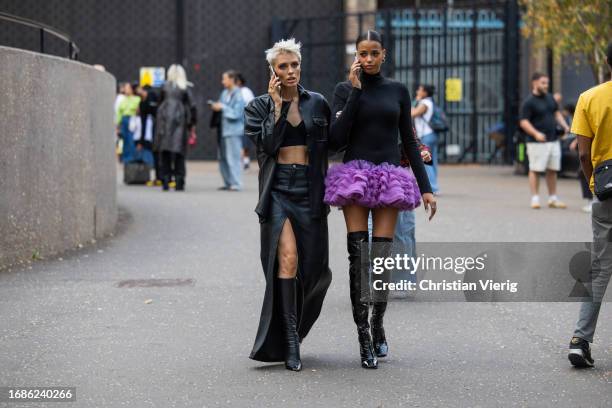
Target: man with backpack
[{"x": 428, "y": 122}]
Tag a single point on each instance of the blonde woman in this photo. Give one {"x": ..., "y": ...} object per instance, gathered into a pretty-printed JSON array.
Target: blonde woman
[
  {"x": 289, "y": 127},
  {"x": 176, "y": 117}
]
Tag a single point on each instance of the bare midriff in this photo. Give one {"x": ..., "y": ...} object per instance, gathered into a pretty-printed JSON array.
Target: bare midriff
[{"x": 293, "y": 155}]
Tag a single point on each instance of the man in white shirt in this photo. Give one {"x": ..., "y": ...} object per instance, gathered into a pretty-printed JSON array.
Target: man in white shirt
[
  {"x": 248, "y": 96},
  {"x": 422, "y": 113}
]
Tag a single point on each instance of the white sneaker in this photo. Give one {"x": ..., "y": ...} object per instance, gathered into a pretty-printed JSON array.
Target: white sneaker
[
  {"x": 589, "y": 207},
  {"x": 535, "y": 202},
  {"x": 556, "y": 203}
]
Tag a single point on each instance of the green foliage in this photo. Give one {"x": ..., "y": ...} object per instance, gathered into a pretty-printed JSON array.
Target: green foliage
[{"x": 571, "y": 27}]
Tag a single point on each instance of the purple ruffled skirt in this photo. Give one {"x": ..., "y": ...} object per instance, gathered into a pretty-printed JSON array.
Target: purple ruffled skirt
[{"x": 360, "y": 182}]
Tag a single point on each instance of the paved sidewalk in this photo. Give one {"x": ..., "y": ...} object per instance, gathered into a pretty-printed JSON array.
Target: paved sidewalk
[{"x": 75, "y": 321}]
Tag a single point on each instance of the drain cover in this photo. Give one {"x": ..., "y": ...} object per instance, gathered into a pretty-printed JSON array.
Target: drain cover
[{"x": 154, "y": 283}]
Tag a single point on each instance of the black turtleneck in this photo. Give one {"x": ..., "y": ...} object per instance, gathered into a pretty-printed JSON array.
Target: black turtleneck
[{"x": 369, "y": 122}]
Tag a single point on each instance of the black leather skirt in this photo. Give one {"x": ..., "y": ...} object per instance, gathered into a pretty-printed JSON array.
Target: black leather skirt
[{"x": 289, "y": 200}]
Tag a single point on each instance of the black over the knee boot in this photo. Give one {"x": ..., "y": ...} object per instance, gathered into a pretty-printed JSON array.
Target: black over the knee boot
[
  {"x": 355, "y": 240},
  {"x": 381, "y": 247},
  {"x": 287, "y": 294}
]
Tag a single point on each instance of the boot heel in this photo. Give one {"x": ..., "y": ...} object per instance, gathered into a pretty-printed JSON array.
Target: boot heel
[{"x": 366, "y": 351}]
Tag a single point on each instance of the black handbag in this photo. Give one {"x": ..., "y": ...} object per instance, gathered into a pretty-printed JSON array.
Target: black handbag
[{"x": 602, "y": 175}]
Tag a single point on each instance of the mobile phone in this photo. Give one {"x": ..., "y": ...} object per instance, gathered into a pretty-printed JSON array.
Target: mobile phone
[
  {"x": 272, "y": 71},
  {"x": 360, "y": 67},
  {"x": 274, "y": 76},
  {"x": 210, "y": 101}
]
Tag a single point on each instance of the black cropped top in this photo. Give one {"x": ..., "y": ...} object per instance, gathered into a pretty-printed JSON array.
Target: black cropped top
[
  {"x": 294, "y": 135},
  {"x": 367, "y": 122}
]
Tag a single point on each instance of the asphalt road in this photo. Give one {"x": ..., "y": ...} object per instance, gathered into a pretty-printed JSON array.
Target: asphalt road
[{"x": 81, "y": 320}]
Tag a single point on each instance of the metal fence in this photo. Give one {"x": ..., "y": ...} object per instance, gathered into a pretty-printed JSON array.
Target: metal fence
[
  {"x": 45, "y": 32},
  {"x": 476, "y": 47}
]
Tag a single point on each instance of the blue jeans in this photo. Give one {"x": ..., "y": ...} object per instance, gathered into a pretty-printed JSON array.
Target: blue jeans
[
  {"x": 144, "y": 155},
  {"x": 431, "y": 140},
  {"x": 403, "y": 239},
  {"x": 129, "y": 148},
  {"x": 230, "y": 165}
]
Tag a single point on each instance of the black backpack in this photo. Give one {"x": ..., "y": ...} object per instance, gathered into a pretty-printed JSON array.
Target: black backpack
[{"x": 438, "y": 122}]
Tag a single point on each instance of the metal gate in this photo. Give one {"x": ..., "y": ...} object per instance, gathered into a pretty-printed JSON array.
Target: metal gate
[{"x": 475, "y": 49}]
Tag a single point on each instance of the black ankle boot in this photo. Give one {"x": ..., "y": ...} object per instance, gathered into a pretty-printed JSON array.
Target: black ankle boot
[
  {"x": 165, "y": 183},
  {"x": 381, "y": 247},
  {"x": 287, "y": 294},
  {"x": 355, "y": 240}
]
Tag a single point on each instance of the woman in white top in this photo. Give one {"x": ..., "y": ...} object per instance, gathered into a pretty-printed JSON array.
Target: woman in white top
[{"x": 422, "y": 114}]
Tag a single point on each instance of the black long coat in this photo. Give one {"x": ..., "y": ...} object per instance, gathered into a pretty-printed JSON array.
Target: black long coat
[{"x": 175, "y": 116}]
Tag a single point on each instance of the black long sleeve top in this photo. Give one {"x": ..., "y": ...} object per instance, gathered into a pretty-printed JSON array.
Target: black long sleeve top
[{"x": 369, "y": 122}]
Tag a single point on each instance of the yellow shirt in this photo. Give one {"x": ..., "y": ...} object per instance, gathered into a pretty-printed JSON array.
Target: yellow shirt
[{"x": 593, "y": 119}]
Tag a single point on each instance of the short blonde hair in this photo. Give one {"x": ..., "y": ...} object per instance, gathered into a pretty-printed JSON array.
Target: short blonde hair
[{"x": 289, "y": 46}]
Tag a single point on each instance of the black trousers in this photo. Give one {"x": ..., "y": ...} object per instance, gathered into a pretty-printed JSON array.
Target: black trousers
[
  {"x": 173, "y": 164},
  {"x": 157, "y": 165},
  {"x": 290, "y": 201}
]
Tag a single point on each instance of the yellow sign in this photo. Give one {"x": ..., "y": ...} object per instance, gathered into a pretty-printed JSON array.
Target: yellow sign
[
  {"x": 453, "y": 90},
  {"x": 152, "y": 76}
]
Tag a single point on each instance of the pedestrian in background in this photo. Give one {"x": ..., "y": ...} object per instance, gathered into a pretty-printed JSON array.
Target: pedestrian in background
[
  {"x": 558, "y": 98},
  {"x": 231, "y": 105},
  {"x": 422, "y": 114},
  {"x": 592, "y": 126},
  {"x": 539, "y": 119},
  {"x": 118, "y": 98},
  {"x": 148, "y": 113},
  {"x": 568, "y": 113},
  {"x": 147, "y": 110},
  {"x": 248, "y": 96},
  {"x": 176, "y": 118},
  {"x": 127, "y": 109}
]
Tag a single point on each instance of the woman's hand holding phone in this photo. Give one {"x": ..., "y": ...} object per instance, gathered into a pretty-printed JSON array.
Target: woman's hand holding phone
[
  {"x": 354, "y": 74},
  {"x": 215, "y": 106}
]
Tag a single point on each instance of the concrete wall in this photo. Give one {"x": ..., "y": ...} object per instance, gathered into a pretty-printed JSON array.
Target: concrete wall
[{"x": 57, "y": 162}]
